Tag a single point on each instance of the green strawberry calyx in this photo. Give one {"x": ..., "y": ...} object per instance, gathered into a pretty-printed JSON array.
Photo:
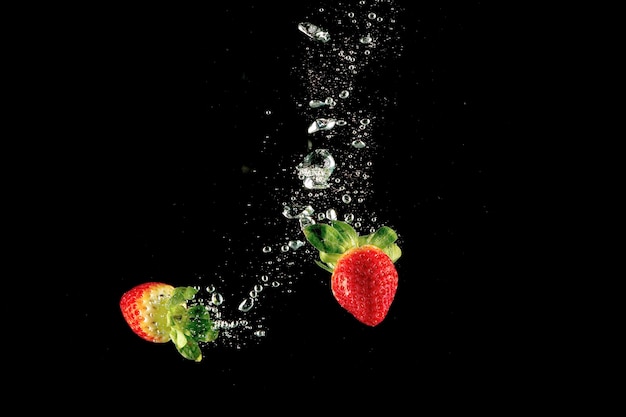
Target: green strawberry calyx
[
  {"x": 334, "y": 239},
  {"x": 189, "y": 325}
]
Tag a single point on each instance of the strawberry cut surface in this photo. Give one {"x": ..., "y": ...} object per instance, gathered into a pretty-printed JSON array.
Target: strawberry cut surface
[
  {"x": 145, "y": 309},
  {"x": 160, "y": 313}
]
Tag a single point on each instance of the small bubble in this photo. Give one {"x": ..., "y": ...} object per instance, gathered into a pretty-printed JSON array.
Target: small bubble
[
  {"x": 246, "y": 305},
  {"x": 296, "y": 244},
  {"x": 358, "y": 143},
  {"x": 217, "y": 298},
  {"x": 267, "y": 249},
  {"x": 321, "y": 124},
  {"x": 316, "y": 104},
  {"x": 365, "y": 39},
  {"x": 305, "y": 221}
]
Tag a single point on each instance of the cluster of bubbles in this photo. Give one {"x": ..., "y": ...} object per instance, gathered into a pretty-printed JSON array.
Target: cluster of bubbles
[{"x": 341, "y": 42}]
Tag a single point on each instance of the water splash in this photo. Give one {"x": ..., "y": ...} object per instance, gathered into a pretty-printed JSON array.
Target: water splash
[{"x": 333, "y": 174}]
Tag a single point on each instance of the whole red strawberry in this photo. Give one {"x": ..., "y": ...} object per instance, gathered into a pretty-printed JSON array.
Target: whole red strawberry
[
  {"x": 364, "y": 278},
  {"x": 159, "y": 313}
]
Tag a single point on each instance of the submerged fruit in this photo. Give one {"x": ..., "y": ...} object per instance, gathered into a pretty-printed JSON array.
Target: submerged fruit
[
  {"x": 159, "y": 313},
  {"x": 364, "y": 278},
  {"x": 145, "y": 309}
]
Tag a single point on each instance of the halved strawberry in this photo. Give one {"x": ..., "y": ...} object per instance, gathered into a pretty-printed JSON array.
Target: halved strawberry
[
  {"x": 158, "y": 312},
  {"x": 364, "y": 278}
]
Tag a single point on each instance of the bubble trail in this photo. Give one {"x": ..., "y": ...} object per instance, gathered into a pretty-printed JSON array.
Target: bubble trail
[{"x": 342, "y": 43}]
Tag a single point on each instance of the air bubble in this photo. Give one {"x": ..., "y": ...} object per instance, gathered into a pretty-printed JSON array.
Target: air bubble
[
  {"x": 217, "y": 298},
  {"x": 246, "y": 305}
]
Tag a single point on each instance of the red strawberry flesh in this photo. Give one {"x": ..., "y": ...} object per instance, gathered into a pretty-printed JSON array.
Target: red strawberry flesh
[{"x": 364, "y": 282}]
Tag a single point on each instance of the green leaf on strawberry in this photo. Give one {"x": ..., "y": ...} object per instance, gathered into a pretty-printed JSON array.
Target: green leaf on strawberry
[{"x": 188, "y": 326}]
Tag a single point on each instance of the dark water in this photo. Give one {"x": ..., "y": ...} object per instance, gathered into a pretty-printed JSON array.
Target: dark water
[{"x": 192, "y": 129}]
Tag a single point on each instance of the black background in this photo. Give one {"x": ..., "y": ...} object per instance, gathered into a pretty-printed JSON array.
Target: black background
[{"x": 165, "y": 107}]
